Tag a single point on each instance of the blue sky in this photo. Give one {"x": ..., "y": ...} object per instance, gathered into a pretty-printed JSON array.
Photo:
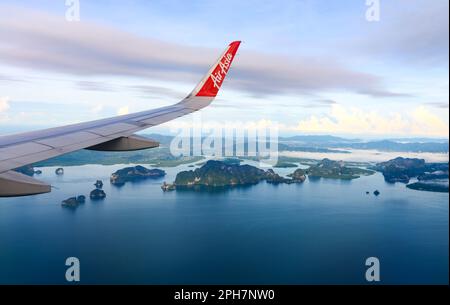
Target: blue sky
[{"x": 315, "y": 67}]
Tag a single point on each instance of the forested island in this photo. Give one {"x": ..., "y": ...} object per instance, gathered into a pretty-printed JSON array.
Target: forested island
[
  {"x": 225, "y": 174},
  {"x": 136, "y": 173},
  {"x": 431, "y": 177},
  {"x": 215, "y": 173},
  {"x": 336, "y": 170}
]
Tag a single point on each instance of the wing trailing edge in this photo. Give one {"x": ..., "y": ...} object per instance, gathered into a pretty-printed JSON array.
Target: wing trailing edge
[
  {"x": 16, "y": 184},
  {"x": 130, "y": 143}
]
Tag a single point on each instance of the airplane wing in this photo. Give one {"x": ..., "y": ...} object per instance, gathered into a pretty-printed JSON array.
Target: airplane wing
[{"x": 111, "y": 134}]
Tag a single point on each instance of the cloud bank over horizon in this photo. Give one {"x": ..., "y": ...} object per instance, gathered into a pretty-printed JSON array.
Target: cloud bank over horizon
[
  {"x": 315, "y": 66},
  {"x": 48, "y": 42}
]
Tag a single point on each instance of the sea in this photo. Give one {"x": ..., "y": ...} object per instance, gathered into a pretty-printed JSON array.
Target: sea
[{"x": 319, "y": 232}]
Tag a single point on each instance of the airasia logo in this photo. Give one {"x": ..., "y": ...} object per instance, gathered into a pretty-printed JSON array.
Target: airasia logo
[{"x": 218, "y": 76}]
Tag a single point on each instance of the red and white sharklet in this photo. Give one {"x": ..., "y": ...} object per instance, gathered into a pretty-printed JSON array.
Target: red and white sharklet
[
  {"x": 210, "y": 85},
  {"x": 111, "y": 134}
]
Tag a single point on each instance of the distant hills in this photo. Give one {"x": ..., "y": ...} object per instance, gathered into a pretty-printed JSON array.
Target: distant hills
[
  {"x": 389, "y": 145},
  {"x": 328, "y": 143},
  {"x": 318, "y": 139},
  {"x": 320, "y": 144}
]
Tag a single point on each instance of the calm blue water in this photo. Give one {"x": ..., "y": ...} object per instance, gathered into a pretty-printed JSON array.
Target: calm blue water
[{"x": 317, "y": 232}]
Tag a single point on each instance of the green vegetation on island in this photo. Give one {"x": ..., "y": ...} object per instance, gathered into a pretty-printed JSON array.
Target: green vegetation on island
[
  {"x": 223, "y": 174},
  {"x": 136, "y": 173},
  {"x": 73, "y": 202},
  {"x": 324, "y": 143},
  {"x": 220, "y": 174},
  {"x": 336, "y": 170},
  {"x": 298, "y": 175},
  {"x": 97, "y": 194},
  {"x": 432, "y": 177},
  {"x": 217, "y": 173},
  {"x": 160, "y": 157}
]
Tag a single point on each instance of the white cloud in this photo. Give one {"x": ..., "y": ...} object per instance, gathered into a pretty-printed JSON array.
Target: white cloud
[
  {"x": 123, "y": 110},
  {"x": 97, "y": 109},
  {"x": 341, "y": 120},
  {"x": 48, "y": 42},
  {"x": 4, "y": 104},
  {"x": 4, "y": 107}
]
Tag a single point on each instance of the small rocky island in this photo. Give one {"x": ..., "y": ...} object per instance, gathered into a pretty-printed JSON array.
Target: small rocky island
[
  {"x": 98, "y": 184},
  {"x": 73, "y": 202},
  {"x": 167, "y": 187},
  {"x": 59, "y": 171},
  {"x": 97, "y": 194},
  {"x": 431, "y": 177},
  {"x": 137, "y": 173},
  {"x": 299, "y": 175}
]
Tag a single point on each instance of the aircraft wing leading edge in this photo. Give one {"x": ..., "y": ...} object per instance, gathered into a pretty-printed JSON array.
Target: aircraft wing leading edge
[{"x": 111, "y": 134}]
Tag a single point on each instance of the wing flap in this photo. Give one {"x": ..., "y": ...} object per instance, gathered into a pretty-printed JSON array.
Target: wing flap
[
  {"x": 112, "y": 129},
  {"x": 130, "y": 143},
  {"x": 14, "y": 151},
  {"x": 68, "y": 139},
  {"x": 156, "y": 120},
  {"x": 17, "y": 184}
]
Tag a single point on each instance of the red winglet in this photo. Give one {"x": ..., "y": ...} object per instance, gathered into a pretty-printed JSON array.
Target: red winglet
[{"x": 212, "y": 82}]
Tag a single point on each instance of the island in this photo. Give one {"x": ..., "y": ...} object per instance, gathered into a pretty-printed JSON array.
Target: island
[
  {"x": 136, "y": 173},
  {"x": 215, "y": 173},
  {"x": 273, "y": 178},
  {"x": 226, "y": 173},
  {"x": 167, "y": 187},
  {"x": 73, "y": 202},
  {"x": 299, "y": 175},
  {"x": 218, "y": 174},
  {"x": 327, "y": 168},
  {"x": 97, "y": 194},
  {"x": 98, "y": 184},
  {"x": 157, "y": 157},
  {"x": 403, "y": 169},
  {"x": 435, "y": 186},
  {"x": 431, "y": 177},
  {"x": 59, "y": 171}
]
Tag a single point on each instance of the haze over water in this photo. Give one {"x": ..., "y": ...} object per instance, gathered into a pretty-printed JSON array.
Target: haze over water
[{"x": 366, "y": 155}]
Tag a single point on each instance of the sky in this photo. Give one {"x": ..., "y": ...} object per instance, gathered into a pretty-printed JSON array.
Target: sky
[{"x": 312, "y": 67}]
